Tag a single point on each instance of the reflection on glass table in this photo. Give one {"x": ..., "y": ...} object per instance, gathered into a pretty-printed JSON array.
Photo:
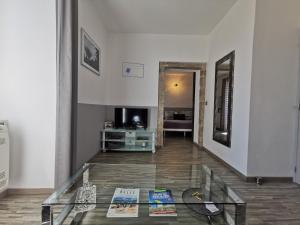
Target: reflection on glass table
[{"x": 144, "y": 194}]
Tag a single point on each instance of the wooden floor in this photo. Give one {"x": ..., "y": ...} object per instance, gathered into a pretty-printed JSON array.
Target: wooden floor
[{"x": 269, "y": 204}]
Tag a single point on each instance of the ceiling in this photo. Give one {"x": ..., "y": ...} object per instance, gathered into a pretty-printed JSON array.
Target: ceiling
[{"x": 194, "y": 17}]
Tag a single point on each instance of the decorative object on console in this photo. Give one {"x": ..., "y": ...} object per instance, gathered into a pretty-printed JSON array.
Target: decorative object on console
[
  {"x": 108, "y": 124},
  {"x": 90, "y": 53},
  {"x": 133, "y": 70},
  {"x": 223, "y": 99}
]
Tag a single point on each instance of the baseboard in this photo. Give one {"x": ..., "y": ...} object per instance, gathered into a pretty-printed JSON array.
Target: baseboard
[
  {"x": 247, "y": 178},
  {"x": 30, "y": 191},
  {"x": 271, "y": 179},
  {"x": 238, "y": 173},
  {"x": 3, "y": 194},
  {"x": 198, "y": 146}
]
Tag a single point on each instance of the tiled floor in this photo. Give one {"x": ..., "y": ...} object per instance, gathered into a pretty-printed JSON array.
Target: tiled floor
[{"x": 269, "y": 204}]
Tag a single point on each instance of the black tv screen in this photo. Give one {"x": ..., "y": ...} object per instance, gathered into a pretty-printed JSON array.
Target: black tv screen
[{"x": 131, "y": 118}]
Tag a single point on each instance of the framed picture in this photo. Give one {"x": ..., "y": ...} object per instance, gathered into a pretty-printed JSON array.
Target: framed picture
[
  {"x": 90, "y": 53},
  {"x": 133, "y": 70}
]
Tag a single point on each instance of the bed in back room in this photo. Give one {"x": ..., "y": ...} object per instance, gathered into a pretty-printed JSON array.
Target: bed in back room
[{"x": 178, "y": 120}]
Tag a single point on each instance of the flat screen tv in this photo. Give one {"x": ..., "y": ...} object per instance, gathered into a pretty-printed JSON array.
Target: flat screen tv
[{"x": 131, "y": 118}]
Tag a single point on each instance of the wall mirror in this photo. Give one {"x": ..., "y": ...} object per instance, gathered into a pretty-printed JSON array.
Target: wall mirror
[{"x": 223, "y": 99}]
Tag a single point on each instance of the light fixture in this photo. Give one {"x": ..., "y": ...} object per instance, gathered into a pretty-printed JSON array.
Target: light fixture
[{"x": 176, "y": 84}]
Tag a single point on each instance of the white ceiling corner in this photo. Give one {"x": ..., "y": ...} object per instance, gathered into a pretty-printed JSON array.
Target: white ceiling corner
[{"x": 192, "y": 17}]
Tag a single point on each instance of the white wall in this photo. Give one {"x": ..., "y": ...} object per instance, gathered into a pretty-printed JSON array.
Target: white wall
[
  {"x": 28, "y": 89},
  {"x": 182, "y": 95},
  {"x": 234, "y": 32},
  {"x": 91, "y": 87},
  {"x": 148, "y": 49},
  {"x": 274, "y": 95}
]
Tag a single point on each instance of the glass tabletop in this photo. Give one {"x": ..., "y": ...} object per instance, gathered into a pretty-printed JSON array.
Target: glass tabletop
[
  {"x": 146, "y": 177},
  {"x": 104, "y": 189}
]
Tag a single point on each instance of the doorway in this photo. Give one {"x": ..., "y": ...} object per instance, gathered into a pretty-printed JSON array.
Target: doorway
[
  {"x": 179, "y": 108},
  {"x": 199, "y": 71}
]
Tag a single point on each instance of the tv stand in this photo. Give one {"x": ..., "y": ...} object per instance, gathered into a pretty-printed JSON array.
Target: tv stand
[{"x": 131, "y": 140}]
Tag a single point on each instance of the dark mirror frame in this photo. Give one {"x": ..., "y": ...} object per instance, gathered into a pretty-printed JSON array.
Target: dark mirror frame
[{"x": 231, "y": 58}]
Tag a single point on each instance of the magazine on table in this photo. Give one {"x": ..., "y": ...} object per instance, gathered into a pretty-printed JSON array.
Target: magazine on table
[
  {"x": 124, "y": 203},
  {"x": 161, "y": 203}
]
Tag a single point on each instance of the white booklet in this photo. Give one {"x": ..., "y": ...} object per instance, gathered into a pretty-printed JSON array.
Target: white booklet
[
  {"x": 211, "y": 207},
  {"x": 124, "y": 203}
]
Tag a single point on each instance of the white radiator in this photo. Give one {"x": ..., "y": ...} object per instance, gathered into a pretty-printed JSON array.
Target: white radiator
[{"x": 4, "y": 156}]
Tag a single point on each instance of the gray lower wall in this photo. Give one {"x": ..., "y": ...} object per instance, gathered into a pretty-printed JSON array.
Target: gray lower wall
[{"x": 90, "y": 122}]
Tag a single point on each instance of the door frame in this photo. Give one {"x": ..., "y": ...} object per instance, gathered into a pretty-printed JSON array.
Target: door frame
[
  {"x": 297, "y": 153},
  {"x": 163, "y": 68},
  {"x": 67, "y": 93},
  {"x": 196, "y": 106}
]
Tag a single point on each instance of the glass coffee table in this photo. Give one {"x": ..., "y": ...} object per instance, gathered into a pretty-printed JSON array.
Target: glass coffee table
[{"x": 194, "y": 193}]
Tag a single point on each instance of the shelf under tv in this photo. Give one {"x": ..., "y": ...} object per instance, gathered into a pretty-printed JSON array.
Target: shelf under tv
[{"x": 141, "y": 140}]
